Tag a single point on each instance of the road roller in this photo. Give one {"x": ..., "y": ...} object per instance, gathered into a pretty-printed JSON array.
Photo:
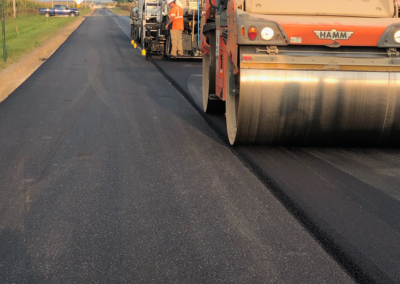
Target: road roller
[{"x": 303, "y": 72}]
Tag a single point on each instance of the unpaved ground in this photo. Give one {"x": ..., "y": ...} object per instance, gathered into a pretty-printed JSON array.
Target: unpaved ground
[{"x": 14, "y": 75}]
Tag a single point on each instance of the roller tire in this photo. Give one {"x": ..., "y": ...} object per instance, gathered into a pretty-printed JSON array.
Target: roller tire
[
  {"x": 210, "y": 105},
  {"x": 232, "y": 103}
]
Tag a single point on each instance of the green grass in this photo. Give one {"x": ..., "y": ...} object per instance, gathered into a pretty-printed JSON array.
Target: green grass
[
  {"x": 33, "y": 31},
  {"x": 119, "y": 11}
]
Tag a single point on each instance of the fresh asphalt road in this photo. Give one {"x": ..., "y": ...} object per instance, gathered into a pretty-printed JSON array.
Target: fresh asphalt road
[
  {"x": 348, "y": 198},
  {"x": 109, "y": 175}
]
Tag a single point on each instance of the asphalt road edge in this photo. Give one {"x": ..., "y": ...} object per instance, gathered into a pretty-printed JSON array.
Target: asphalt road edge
[{"x": 16, "y": 74}]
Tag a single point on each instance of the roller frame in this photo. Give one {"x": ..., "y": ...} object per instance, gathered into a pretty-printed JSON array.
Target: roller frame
[{"x": 305, "y": 99}]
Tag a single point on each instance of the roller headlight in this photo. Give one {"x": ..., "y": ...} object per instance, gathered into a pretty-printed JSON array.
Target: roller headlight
[
  {"x": 396, "y": 36},
  {"x": 268, "y": 33}
]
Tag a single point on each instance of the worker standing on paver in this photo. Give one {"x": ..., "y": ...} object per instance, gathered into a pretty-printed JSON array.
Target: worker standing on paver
[{"x": 176, "y": 18}]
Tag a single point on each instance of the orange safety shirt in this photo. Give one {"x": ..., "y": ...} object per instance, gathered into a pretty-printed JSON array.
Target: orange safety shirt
[{"x": 177, "y": 23}]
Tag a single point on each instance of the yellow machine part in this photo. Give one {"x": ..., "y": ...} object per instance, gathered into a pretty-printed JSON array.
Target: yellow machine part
[{"x": 301, "y": 107}]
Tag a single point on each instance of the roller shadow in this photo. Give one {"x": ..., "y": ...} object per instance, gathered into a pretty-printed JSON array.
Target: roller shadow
[{"x": 213, "y": 121}]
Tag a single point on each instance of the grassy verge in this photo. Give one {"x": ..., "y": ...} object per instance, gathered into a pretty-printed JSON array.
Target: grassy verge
[
  {"x": 30, "y": 31},
  {"x": 119, "y": 11}
]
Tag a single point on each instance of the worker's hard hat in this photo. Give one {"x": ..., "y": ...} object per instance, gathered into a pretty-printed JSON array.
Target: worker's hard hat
[{"x": 170, "y": 1}]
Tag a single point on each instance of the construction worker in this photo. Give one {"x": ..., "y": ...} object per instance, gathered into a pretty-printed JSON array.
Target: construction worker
[{"x": 176, "y": 18}]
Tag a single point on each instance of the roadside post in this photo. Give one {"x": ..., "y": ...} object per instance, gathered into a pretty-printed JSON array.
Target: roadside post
[
  {"x": 193, "y": 5},
  {"x": 3, "y": 22}
]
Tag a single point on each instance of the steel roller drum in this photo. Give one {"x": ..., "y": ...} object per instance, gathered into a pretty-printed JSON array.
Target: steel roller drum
[{"x": 289, "y": 107}]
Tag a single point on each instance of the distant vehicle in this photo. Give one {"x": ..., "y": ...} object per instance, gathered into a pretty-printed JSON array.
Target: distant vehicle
[{"x": 59, "y": 10}]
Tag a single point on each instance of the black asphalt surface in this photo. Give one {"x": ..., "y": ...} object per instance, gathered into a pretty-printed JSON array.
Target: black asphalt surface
[
  {"x": 109, "y": 175},
  {"x": 348, "y": 198}
]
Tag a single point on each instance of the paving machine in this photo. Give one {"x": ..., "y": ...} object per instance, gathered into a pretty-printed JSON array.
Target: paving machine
[
  {"x": 303, "y": 72},
  {"x": 148, "y": 19}
]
